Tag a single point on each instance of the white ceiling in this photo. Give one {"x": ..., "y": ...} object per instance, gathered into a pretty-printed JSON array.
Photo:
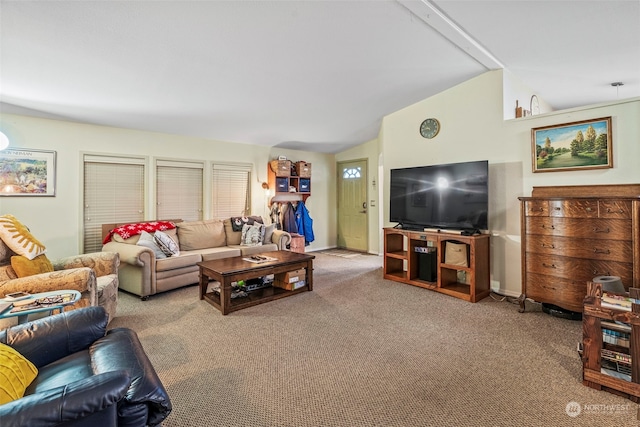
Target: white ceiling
[{"x": 310, "y": 75}]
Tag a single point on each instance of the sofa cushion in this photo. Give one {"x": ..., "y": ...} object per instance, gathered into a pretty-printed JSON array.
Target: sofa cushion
[
  {"x": 219, "y": 253},
  {"x": 183, "y": 260},
  {"x": 18, "y": 238},
  {"x": 25, "y": 267},
  {"x": 16, "y": 373},
  {"x": 63, "y": 371},
  {"x": 201, "y": 234},
  {"x": 233, "y": 237}
]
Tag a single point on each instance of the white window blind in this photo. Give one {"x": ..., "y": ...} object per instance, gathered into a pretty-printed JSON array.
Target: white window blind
[
  {"x": 230, "y": 190},
  {"x": 113, "y": 193},
  {"x": 179, "y": 190}
]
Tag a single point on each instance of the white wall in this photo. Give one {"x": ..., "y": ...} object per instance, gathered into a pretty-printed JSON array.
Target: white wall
[
  {"x": 57, "y": 221},
  {"x": 473, "y": 128}
]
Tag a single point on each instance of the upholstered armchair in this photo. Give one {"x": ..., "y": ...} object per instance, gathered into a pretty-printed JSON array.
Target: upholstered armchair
[
  {"x": 25, "y": 267},
  {"x": 94, "y": 275},
  {"x": 68, "y": 370}
]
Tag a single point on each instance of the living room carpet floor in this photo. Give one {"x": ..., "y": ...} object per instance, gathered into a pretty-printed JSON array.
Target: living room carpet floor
[{"x": 363, "y": 351}]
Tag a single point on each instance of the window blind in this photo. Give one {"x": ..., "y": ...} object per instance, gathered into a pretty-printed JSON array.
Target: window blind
[
  {"x": 179, "y": 190},
  {"x": 230, "y": 190},
  {"x": 113, "y": 193}
]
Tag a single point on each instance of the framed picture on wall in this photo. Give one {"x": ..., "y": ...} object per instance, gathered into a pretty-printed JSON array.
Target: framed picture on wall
[
  {"x": 26, "y": 172},
  {"x": 573, "y": 146}
]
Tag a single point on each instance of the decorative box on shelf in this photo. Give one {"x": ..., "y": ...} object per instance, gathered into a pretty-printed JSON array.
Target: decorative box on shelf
[
  {"x": 303, "y": 169},
  {"x": 281, "y": 167}
]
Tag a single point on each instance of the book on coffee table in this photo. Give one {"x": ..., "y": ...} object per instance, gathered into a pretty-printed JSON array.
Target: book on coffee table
[{"x": 258, "y": 259}]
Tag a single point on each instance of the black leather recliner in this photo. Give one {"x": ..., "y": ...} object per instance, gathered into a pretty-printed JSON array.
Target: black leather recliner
[{"x": 86, "y": 375}]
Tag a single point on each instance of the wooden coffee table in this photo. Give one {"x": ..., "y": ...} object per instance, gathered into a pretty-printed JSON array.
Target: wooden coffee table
[{"x": 233, "y": 269}]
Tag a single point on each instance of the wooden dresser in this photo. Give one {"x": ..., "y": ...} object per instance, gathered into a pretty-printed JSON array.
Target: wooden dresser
[{"x": 571, "y": 234}]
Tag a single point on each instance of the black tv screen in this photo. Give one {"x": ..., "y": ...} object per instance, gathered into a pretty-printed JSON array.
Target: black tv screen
[{"x": 448, "y": 196}]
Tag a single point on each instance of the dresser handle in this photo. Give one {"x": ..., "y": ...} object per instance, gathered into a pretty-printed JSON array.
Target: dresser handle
[
  {"x": 609, "y": 210},
  {"x": 556, "y": 208},
  {"x": 601, "y": 251},
  {"x": 589, "y": 209},
  {"x": 552, "y": 227},
  {"x": 600, "y": 230},
  {"x": 544, "y": 245},
  {"x": 549, "y": 265},
  {"x": 595, "y": 273}
]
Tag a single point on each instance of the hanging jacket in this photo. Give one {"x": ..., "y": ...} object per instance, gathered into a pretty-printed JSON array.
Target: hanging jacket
[
  {"x": 289, "y": 219},
  {"x": 275, "y": 215},
  {"x": 304, "y": 223}
]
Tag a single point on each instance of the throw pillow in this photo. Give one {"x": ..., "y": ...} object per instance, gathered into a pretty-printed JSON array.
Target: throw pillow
[
  {"x": 25, "y": 267},
  {"x": 166, "y": 243},
  {"x": 268, "y": 233},
  {"x": 18, "y": 237},
  {"x": 148, "y": 241},
  {"x": 240, "y": 221},
  {"x": 16, "y": 373},
  {"x": 252, "y": 235}
]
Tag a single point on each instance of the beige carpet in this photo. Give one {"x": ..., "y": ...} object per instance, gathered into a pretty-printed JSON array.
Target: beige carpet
[{"x": 362, "y": 351}]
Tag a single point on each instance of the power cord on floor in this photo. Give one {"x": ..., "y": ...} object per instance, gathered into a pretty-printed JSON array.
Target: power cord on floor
[{"x": 499, "y": 297}]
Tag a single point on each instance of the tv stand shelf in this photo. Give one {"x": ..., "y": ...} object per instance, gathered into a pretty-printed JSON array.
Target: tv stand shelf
[{"x": 402, "y": 262}]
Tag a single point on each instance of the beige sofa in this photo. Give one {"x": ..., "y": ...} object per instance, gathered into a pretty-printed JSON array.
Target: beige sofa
[{"x": 142, "y": 274}]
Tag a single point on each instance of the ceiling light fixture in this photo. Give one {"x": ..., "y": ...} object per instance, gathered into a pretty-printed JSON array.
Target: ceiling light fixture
[
  {"x": 4, "y": 141},
  {"x": 617, "y": 86}
]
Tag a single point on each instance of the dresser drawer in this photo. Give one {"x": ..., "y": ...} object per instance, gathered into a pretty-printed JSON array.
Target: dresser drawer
[
  {"x": 574, "y": 208},
  {"x": 576, "y": 268},
  {"x": 584, "y": 228},
  {"x": 536, "y": 208},
  {"x": 611, "y": 250},
  {"x": 567, "y": 293},
  {"x": 615, "y": 209}
]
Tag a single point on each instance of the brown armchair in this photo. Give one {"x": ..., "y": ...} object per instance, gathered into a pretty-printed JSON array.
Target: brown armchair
[{"x": 94, "y": 275}]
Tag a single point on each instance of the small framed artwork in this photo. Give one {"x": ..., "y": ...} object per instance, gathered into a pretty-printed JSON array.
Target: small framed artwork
[
  {"x": 573, "y": 146},
  {"x": 26, "y": 172}
]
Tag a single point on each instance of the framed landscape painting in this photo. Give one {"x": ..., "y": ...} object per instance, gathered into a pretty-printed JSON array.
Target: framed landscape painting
[
  {"x": 573, "y": 146},
  {"x": 25, "y": 172}
]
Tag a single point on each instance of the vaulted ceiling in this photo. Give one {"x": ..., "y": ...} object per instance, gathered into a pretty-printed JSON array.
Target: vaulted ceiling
[{"x": 310, "y": 75}]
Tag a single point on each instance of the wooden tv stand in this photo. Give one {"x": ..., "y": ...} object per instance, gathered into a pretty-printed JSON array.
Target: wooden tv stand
[{"x": 402, "y": 262}]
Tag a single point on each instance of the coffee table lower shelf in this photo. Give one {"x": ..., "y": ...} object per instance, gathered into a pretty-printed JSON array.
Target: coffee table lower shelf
[{"x": 253, "y": 298}]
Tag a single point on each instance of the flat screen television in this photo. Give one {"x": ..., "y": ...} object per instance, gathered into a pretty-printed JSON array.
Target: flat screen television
[{"x": 447, "y": 196}]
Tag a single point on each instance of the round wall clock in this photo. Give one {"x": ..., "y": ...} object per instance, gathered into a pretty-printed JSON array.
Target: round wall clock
[{"x": 430, "y": 128}]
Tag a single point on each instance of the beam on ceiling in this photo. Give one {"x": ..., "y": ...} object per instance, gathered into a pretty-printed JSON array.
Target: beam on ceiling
[{"x": 435, "y": 18}]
